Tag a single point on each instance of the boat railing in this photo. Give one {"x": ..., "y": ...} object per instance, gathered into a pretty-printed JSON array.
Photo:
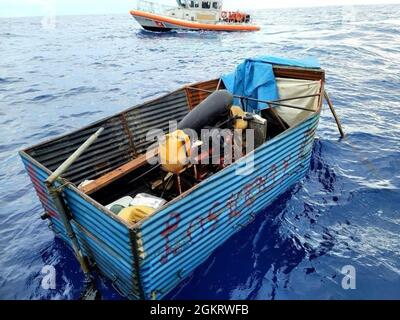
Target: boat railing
[
  {"x": 249, "y": 19},
  {"x": 270, "y": 103},
  {"x": 153, "y": 7}
]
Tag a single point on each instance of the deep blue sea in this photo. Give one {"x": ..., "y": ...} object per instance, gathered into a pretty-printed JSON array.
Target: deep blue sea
[{"x": 345, "y": 212}]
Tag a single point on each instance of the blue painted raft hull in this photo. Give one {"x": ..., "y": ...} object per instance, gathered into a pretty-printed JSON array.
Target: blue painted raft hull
[
  {"x": 148, "y": 260},
  {"x": 185, "y": 233}
]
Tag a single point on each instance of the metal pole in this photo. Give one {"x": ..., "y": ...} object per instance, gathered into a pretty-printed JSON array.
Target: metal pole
[
  {"x": 288, "y": 106},
  {"x": 330, "y": 104},
  {"x": 60, "y": 205},
  {"x": 56, "y": 195},
  {"x": 67, "y": 163},
  {"x": 298, "y": 97},
  {"x": 269, "y": 103},
  {"x": 284, "y": 127},
  {"x": 219, "y": 83}
]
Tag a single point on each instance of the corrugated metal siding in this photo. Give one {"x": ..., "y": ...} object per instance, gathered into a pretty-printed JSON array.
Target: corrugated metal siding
[
  {"x": 123, "y": 138},
  {"x": 110, "y": 151},
  {"x": 38, "y": 176},
  {"x": 104, "y": 239},
  {"x": 154, "y": 116},
  {"x": 177, "y": 239}
]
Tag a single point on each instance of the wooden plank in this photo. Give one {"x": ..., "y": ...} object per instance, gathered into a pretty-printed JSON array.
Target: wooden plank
[
  {"x": 299, "y": 73},
  {"x": 189, "y": 98},
  {"x": 195, "y": 97},
  {"x": 118, "y": 173}
]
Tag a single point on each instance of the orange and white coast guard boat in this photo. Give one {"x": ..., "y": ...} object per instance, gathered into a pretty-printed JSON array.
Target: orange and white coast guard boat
[{"x": 191, "y": 15}]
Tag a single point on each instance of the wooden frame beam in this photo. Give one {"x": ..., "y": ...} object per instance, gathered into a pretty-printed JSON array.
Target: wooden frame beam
[{"x": 118, "y": 173}]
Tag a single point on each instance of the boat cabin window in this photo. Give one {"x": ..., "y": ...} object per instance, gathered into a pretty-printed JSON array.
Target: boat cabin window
[
  {"x": 206, "y": 4},
  {"x": 194, "y": 4},
  {"x": 215, "y": 5}
]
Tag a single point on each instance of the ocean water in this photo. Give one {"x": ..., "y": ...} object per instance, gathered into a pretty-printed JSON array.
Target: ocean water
[{"x": 57, "y": 78}]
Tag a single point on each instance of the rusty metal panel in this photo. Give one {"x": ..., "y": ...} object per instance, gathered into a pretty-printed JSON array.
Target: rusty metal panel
[
  {"x": 195, "y": 96},
  {"x": 177, "y": 239},
  {"x": 110, "y": 151},
  {"x": 103, "y": 238},
  {"x": 38, "y": 176},
  {"x": 106, "y": 240},
  {"x": 124, "y": 138},
  {"x": 155, "y": 115}
]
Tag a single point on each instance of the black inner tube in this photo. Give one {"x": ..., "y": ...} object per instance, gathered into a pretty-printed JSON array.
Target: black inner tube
[{"x": 209, "y": 112}]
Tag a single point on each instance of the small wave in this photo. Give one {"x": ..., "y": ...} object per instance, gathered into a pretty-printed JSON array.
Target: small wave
[
  {"x": 84, "y": 114},
  {"x": 79, "y": 90},
  {"x": 11, "y": 35},
  {"x": 10, "y": 147},
  {"x": 7, "y": 80},
  {"x": 46, "y": 134},
  {"x": 393, "y": 21},
  {"x": 27, "y": 91},
  {"x": 37, "y": 58},
  {"x": 44, "y": 98}
]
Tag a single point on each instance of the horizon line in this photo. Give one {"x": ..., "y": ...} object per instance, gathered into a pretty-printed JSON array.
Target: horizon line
[{"x": 266, "y": 8}]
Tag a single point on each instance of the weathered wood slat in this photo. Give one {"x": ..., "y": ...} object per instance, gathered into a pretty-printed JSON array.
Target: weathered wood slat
[{"x": 118, "y": 173}]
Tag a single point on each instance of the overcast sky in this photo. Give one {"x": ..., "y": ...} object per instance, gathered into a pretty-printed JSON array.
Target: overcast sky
[{"x": 12, "y": 8}]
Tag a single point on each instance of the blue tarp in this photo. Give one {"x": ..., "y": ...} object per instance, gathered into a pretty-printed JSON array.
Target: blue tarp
[{"x": 254, "y": 78}]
